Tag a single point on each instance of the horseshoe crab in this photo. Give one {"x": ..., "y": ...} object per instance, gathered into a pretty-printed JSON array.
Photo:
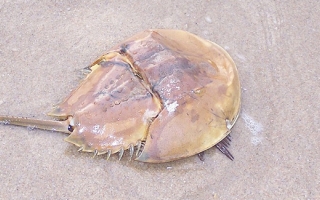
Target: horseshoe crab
[{"x": 161, "y": 94}]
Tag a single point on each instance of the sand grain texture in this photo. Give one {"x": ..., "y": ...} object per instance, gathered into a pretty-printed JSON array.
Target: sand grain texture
[{"x": 45, "y": 45}]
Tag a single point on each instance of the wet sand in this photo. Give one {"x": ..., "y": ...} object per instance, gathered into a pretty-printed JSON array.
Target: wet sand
[{"x": 275, "y": 44}]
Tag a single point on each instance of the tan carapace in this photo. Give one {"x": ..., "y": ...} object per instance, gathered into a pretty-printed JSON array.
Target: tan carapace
[{"x": 161, "y": 94}]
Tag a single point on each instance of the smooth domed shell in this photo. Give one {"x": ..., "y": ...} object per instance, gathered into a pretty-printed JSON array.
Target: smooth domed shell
[{"x": 169, "y": 89}]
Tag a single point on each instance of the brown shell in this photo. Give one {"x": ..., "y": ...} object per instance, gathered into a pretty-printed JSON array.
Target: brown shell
[
  {"x": 168, "y": 88},
  {"x": 167, "y": 92}
]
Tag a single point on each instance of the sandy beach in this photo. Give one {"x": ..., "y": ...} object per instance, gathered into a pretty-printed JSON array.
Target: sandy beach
[{"x": 275, "y": 44}]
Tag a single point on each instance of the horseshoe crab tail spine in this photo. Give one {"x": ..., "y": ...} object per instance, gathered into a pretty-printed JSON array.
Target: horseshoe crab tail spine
[{"x": 59, "y": 126}]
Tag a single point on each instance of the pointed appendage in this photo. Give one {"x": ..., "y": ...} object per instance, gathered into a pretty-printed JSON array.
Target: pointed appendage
[
  {"x": 223, "y": 147},
  {"x": 58, "y": 126},
  {"x": 121, "y": 153}
]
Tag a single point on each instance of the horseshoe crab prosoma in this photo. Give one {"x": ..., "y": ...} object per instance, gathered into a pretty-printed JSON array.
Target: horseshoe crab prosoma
[{"x": 164, "y": 94}]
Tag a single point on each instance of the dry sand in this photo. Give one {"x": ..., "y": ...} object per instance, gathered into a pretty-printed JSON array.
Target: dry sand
[{"x": 275, "y": 44}]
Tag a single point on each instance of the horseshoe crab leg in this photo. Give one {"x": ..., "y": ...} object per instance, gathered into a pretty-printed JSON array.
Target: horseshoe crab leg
[{"x": 52, "y": 125}]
